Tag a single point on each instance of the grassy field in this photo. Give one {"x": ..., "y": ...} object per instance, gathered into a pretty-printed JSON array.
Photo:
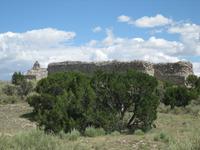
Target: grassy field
[{"x": 17, "y": 132}]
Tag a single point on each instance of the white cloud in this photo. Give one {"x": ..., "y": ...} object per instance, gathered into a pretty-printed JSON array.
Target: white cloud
[
  {"x": 146, "y": 21},
  {"x": 196, "y": 67},
  {"x": 189, "y": 36},
  {"x": 160, "y": 57},
  {"x": 124, "y": 18},
  {"x": 35, "y": 39},
  {"x": 158, "y": 20},
  {"x": 24, "y": 48},
  {"x": 19, "y": 50},
  {"x": 97, "y": 29},
  {"x": 92, "y": 43}
]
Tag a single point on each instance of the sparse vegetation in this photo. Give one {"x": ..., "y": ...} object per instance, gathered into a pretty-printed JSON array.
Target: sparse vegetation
[
  {"x": 16, "y": 91},
  {"x": 172, "y": 130},
  {"x": 72, "y": 135},
  {"x": 93, "y": 132},
  {"x": 139, "y": 132},
  {"x": 175, "y": 129},
  {"x": 31, "y": 140},
  {"x": 162, "y": 137},
  {"x": 8, "y": 93}
]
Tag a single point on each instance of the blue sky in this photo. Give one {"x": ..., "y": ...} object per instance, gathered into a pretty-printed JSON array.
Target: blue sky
[{"x": 97, "y": 30}]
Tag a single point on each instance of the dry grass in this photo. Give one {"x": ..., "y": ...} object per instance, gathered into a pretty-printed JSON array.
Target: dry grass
[{"x": 12, "y": 120}]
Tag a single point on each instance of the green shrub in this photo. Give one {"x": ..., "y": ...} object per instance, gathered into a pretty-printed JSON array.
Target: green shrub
[
  {"x": 115, "y": 133},
  {"x": 62, "y": 134},
  {"x": 162, "y": 137},
  {"x": 4, "y": 99},
  {"x": 93, "y": 132},
  {"x": 17, "y": 78},
  {"x": 156, "y": 138},
  {"x": 177, "y": 96},
  {"x": 9, "y": 90},
  {"x": 73, "y": 135},
  {"x": 194, "y": 83},
  {"x": 138, "y": 132},
  {"x": 24, "y": 88}
]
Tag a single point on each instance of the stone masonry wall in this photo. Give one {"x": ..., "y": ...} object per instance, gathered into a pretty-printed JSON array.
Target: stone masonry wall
[
  {"x": 36, "y": 73},
  {"x": 89, "y": 67},
  {"x": 174, "y": 72}
]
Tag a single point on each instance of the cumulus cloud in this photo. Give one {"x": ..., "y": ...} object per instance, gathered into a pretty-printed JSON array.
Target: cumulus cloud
[
  {"x": 154, "y": 49},
  {"x": 124, "y": 18},
  {"x": 158, "y": 20},
  {"x": 189, "y": 36},
  {"x": 196, "y": 67},
  {"x": 97, "y": 29},
  {"x": 146, "y": 21},
  {"x": 19, "y": 50}
]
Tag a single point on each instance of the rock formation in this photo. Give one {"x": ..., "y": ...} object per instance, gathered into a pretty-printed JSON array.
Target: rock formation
[
  {"x": 36, "y": 73},
  {"x": 173, "y": 72}
]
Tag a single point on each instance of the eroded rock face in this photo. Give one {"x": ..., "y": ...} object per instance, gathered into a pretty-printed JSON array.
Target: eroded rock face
[{"x": 173, "y": 72}]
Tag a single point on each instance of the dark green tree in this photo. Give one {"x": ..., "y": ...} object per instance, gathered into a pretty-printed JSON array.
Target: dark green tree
[
  {"x": 192, "y": 81},
  {"x": 65, "y": 102},
  {"x": 75, "y": 100},
  {"x": 133, "y": 92},
  {"x": 177, "y": 96},
  {"x": 17, "y": 78}
]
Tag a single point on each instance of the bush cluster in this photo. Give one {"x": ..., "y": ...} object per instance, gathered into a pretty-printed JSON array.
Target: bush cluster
[
  {"x": 65, "y": 101},
  {"x": 93, "y": 132},
  {"x": 17, "y": 90},
  {"x": 22, "y": 86},
  {"x": 179, "y": 95}
]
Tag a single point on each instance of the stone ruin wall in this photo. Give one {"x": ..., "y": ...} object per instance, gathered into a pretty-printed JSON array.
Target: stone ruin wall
[
  {"x": 36, "y": 73},
  {"x": 173, "y": 72},
  {"x": 89, "y": 67}
]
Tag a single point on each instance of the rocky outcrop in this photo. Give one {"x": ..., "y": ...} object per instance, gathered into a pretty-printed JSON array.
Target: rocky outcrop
[
  {"x": 36, "y": 73},
  {"x": 173, "y": 72}
]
